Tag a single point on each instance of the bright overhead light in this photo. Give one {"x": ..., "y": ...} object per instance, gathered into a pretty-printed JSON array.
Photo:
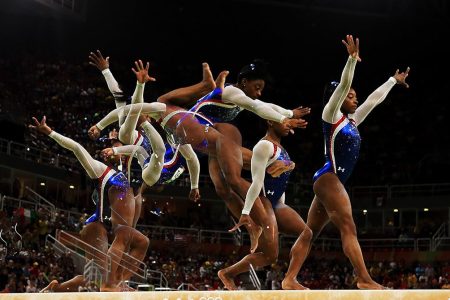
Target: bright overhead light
[
  {"x": 43, "y": 183},
  {"x": 71, "y": 187},
  {"x": 395, "y": 209},
  {"x": 425, "y": 209},
  {"x": 365, "y": 211}
]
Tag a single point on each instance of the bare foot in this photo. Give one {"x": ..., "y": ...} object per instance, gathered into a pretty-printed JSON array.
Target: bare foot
[
  {"x": 254, "y": 231},
  {"x": 227, "y": 281},
  {"x": 292, "y": 284},
  {"x": 49, "y": 288},
  {"x": 111, "y": 289},
  {"x": 126, "y": 288},
  {"x": 208, "y": 80},
  {"x": 220, "y": 80},
  {"x": 371, "y": 285}
]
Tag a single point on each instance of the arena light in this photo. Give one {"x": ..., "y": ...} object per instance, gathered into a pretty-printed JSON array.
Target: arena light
[
  {"x": 395, "y": 209},
  {"x": 42, "y": 183},
  {"x": 71, "y": 187},
  {"x": 425, "y": 209},
  {"x": 365, "y": 211}
]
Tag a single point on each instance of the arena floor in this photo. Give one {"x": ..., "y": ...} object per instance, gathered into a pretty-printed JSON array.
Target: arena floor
[{"x": 247, "y": 295}]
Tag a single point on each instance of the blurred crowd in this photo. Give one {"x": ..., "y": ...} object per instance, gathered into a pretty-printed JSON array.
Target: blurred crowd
[{"x": 29, "y": 263}]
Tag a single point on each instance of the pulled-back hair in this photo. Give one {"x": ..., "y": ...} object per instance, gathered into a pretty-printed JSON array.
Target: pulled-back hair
[
  {"x": 329, "y": 89},
  {"x": 257, "y": 69}
]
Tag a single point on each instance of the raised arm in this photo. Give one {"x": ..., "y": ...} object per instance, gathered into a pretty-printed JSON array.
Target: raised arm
[
  {"x": 262, "y": 152},
  {"x": 379, "y": 95},
  {"x": 97, "y": 60},
  {"x": 142, "y": 77},
  {"x": 93, "y": 167},
  {"x": 193, "y": 165},
  {"x": 332, "y": 110}
]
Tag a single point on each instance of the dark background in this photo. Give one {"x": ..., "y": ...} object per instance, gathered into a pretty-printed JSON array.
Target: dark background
[{"x": 301, "y": 40}]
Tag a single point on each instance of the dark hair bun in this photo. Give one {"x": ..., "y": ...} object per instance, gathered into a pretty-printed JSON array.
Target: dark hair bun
[
  {"x": 329, "y": 90},
  {"x": 257, "y": 69},
  {"x": 260, "y": 63}
]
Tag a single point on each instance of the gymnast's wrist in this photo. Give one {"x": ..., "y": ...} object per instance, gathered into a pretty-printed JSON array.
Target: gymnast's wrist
[
  {"x": 245, "y": 212},
  {"x": 99, "y": 127},
  {"x": 290, "y": 113}
]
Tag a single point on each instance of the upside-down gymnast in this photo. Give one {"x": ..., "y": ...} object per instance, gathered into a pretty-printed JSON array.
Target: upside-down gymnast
[{"x": 146, "y": 144}]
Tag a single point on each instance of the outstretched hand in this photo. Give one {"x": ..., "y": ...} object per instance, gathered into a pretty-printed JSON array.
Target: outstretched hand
[
  {"x": 97, "y": 60},
  {"x": 113, "y": 134},
  {"x": 141, "y": 72},
  {"x": 243, "y": 220},
  {"x": 194, "y": 195},
  {"x": 94, "y": 132},
  {"x": 41, "y": 126},
  {"x": 352, "y": 47},
  {"x": 279, "y": 167},
  {"x": 107, "y": 152},
  {"x": 295, "y": 123},
  {"x": 401, "y": 77},
  {"x": 300, "y": 112}
]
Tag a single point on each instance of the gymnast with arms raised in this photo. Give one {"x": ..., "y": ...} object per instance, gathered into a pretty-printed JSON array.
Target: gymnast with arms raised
[{"x": 341, "y": 117}]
